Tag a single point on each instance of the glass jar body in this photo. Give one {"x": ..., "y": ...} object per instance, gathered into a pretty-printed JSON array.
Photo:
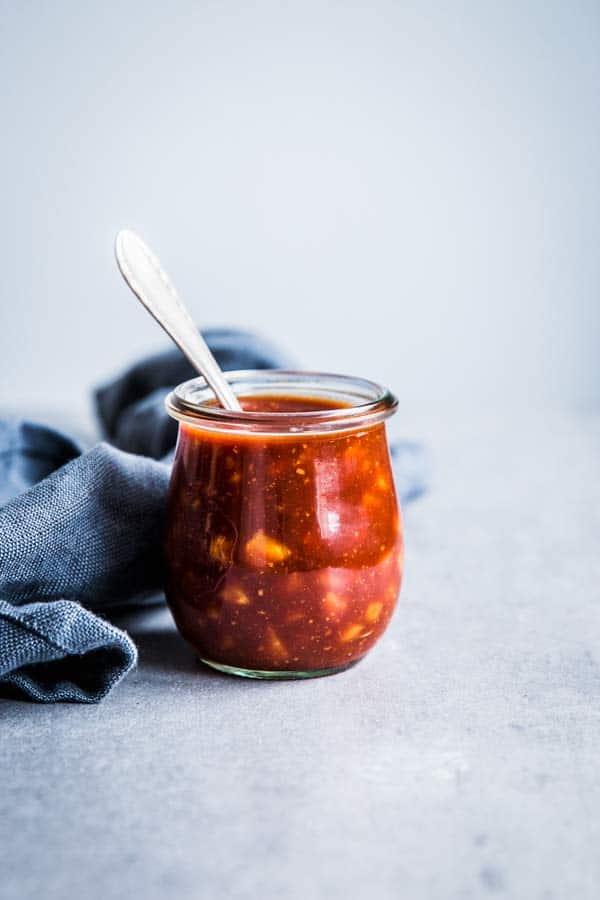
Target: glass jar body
[{"x": 284, "y": 551}]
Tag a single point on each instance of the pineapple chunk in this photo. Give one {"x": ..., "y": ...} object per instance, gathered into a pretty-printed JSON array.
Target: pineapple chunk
[
  {"x": 373, "y": 612},
  {"x": 333, "y": 604},
  {"x": 351, "y": 633},
  {"x": 220, "y": 549},
  {"x": 232, "y": 593},
  {"x": 382, "y": 483},
  {"x": 262, "y": 549},
  {"x": 276, "y": 646}
]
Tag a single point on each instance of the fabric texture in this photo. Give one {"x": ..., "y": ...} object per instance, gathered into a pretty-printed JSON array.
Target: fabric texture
[{"x": 81, "y": 532}]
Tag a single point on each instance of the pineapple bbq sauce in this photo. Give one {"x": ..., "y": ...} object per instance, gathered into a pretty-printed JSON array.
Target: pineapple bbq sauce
[{"x": 284, "y": 538}]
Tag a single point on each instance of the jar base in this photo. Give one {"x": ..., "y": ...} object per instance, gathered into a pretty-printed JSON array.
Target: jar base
[{"x": 275, "y": 674}]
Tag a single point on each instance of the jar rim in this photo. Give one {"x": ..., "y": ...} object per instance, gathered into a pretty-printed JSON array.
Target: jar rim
[{"x": 365, "y": 402}]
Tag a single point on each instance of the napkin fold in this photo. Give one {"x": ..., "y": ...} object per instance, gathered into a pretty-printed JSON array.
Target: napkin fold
[{"x": 81, "y": 531}]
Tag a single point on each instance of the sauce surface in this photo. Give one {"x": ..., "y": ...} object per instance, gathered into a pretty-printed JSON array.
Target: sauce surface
[
  {"x": 289, "y": 404},
  {"x": 284, "y": 551}
]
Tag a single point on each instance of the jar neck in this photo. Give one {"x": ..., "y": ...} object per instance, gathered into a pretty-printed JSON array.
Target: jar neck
[{"x": 348, "y": 403}]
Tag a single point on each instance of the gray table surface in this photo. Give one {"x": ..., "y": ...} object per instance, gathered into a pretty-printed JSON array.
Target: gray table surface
[{"x": 459, "y": 760}]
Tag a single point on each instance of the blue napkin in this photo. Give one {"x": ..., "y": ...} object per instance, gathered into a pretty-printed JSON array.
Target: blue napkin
[{"x": 80, "y": 532}]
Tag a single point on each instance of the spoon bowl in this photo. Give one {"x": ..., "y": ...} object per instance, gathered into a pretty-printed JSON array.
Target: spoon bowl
[{"x": 147, "y": 279}]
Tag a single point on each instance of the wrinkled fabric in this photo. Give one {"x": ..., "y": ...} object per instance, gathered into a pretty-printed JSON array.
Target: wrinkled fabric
[
  {"x": 131, "y": 408},
  {"x": 81, "y": 532},
  {"x": 86, "y": 537}
]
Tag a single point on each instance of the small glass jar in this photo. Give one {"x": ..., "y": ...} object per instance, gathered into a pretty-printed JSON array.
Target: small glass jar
[{"x": 284, "y": 538}]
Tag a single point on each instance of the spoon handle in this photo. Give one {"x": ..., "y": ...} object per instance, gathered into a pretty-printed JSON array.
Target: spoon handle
[{"x": 149, "y": 282}]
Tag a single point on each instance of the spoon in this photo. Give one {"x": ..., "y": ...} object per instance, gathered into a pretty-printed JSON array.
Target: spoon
[{"x": 149, "y": 282}]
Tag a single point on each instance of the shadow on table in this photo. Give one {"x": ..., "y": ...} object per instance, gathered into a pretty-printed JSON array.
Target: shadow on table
[
  {"x": 160, "y": 646},
  {"x": 166, "y": 651}
]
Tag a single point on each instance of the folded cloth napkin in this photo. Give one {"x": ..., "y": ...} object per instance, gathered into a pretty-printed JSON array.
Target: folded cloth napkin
[{"x": 80, "y": 531}]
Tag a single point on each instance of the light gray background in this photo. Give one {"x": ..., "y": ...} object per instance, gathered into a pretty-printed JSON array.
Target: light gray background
[{"x": 406, "y": 191}]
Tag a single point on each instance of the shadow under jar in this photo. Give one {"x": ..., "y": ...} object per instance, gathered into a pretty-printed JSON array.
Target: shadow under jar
[{"x": 284, "y": 539}]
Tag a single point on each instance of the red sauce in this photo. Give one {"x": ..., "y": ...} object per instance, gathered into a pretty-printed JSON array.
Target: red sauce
[{"x": 284, "y": 551}]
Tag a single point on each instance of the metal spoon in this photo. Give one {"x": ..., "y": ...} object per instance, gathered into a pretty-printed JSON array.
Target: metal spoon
[{"x": 149, "y": 282}]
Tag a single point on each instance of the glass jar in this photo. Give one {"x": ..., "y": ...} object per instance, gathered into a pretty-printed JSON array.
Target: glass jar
[{"x": 284, "y": 538}]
